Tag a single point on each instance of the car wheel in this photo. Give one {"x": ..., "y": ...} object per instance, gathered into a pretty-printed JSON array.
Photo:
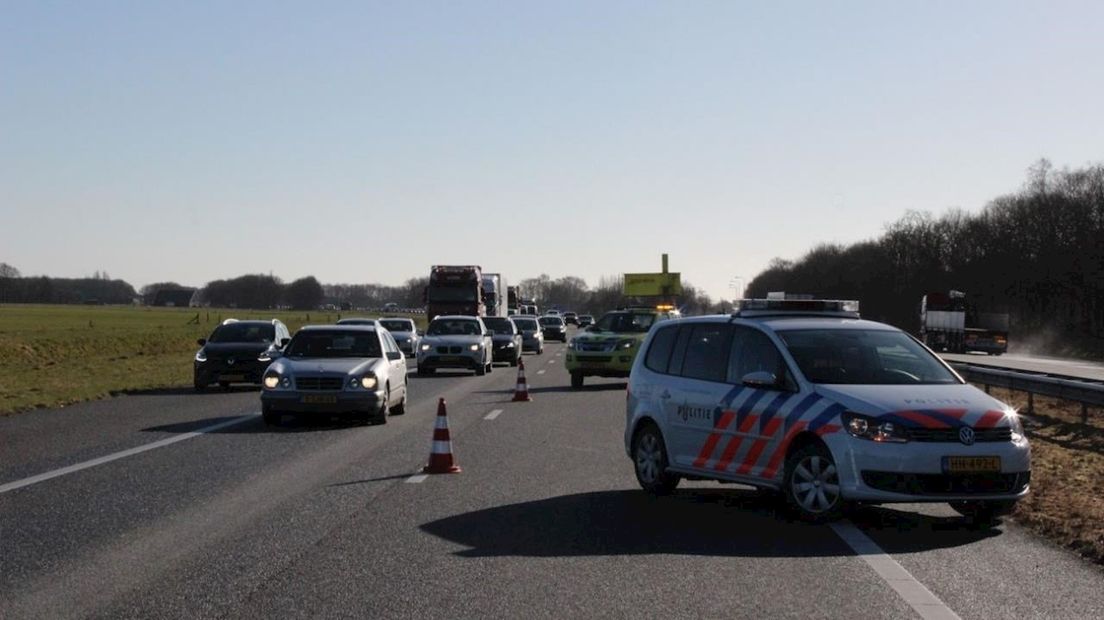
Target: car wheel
[
  {"x": 576, "y": 380},
  {"x": 400, "y": 408},
  {"x": 650, "y": 462},
  {"x": 385, "y": 410},
  {"x": 481, "y": 370},
  {"x": 540, "y": 351},
  {"x": 811, "y": 485},
  {"x": 270, "y": 417},
  {"x": 514, "y": 362},
  {"x": 984, "y": 512}
]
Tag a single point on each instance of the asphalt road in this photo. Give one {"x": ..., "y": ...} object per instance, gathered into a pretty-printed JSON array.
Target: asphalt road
[
  {"x": 325, "y": 519},
  {"x": 1084, "y": 369}
]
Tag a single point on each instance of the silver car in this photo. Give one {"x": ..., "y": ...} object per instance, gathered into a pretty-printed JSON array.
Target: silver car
[
  {"x": 336, "y": 369},
  {"x": 455, "y": 342},
  {"x": 405, "y": 334},
  {"x": 532, "y": 338}
]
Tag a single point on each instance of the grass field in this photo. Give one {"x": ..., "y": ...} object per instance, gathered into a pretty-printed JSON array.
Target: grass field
[{"x": 57, "y": 355}]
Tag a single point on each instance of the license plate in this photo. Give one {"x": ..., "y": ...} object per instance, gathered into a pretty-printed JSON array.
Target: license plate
[
  {"x": 971, "y": 464},
  {"x": 452, "y": 359},
  {"x": 319, "y": 399},
  {"x": 231, "y": 377}
]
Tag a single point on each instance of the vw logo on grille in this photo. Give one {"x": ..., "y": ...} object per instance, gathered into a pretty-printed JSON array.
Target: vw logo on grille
[
  {"x": 966, "y": 435},
  {"x": 230, "y": 361}
]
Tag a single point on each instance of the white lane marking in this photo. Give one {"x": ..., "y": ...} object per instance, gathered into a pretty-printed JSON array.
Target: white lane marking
[
  {"x": 551, "y": 361},
  {"x": 417, "y": 478},
  {"x": 919, "y": 597},
  {"x": 540, "y": 372},
  {"x": 493, "y": 414},
  {"x": 26, "y": 482}
]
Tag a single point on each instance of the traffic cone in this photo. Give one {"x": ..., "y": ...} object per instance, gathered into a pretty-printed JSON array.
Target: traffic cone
[
  {"x": 521, "y": 393},
  {"x": 440, "y": 455}
]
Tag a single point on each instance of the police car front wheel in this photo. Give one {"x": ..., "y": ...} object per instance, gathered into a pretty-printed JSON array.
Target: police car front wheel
[
  {"x": 812, "y": 483},
  {"x": 650, "y": 460}
]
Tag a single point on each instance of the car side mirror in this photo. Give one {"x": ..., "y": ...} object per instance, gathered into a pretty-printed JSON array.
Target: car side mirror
[
  {"x": 760, "y": 379},
  {"x": 394, "y": 355},
  {"x": 201, "y": 341}
]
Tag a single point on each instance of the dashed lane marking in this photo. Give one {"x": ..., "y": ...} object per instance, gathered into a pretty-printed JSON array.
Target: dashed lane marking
[
  {"x": 551, "y": 361},
  {"x": 56, "y": 473},
  {"x": 540, "y": 372},
  {"x": 417, "y": 478},
  {"x": 493, "y": 414},
  {"x": 918, "y": 596}
]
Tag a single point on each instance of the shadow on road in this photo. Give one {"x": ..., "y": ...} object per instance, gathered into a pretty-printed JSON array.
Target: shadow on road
[
  {"x": 189, "y": 391},
  {"x": 290, "y": 424},
  {"x": 693, "y": 522}
]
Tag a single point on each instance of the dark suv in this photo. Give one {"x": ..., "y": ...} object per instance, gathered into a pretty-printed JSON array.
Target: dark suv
[{"x": 238, "y": 352}]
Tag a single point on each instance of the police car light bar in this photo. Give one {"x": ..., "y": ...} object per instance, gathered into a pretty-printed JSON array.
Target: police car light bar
[{"x": 846, "y": 308}]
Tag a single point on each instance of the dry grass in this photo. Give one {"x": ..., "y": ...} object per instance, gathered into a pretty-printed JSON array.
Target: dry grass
[{"x": 1066, "y": 503}]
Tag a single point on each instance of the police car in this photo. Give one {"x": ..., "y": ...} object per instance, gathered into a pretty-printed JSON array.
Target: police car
[{"x": 804, "y": 397}]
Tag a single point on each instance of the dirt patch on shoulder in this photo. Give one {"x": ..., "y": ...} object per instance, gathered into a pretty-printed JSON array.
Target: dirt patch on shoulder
[{"x": 1066, "y": 503}]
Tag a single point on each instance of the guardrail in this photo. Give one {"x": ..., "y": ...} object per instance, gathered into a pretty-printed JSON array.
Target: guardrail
[{"x": 1076, "y": 389}]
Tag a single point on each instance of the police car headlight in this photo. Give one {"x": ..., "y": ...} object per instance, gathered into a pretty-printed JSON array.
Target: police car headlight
[
  {"x": 1016, "y": 423},
  {"x": 866, "y": 427}
]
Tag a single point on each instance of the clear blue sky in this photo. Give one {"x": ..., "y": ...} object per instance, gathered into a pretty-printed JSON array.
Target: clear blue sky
[{"x": 363, "y": 142}]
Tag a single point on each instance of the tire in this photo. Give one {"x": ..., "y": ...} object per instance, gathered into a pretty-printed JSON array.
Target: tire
[
  {"x": 985, "y": 512},
  {"x": 385, "y": 410},
  {"x": 576, "y": 380},
  {"x": 540, "y": 351},
  {"x": 811, "y": 476},
  {"x": 481, "y": 370},
  {"x": 400, "y": 409},
  {"x": 514, "y": 362},
  {"x": 270, "y": 417},
  {"x": 650, "y": 462}
]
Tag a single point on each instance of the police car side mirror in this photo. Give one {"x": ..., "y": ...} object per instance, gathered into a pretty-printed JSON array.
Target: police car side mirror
[{"x": 760, "y": 379}]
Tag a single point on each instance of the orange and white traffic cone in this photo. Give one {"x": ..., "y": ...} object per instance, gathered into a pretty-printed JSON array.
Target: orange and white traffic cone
[
  {"x": 521, "y": 393},
  {"x": 440, "y": 455}
]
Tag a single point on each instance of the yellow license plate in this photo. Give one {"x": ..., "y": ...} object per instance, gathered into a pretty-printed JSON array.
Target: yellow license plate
[
  {"x": 319, "y": 399},
  {"x": 231, "y": 377},
  {"x": 971, "y": 464}
]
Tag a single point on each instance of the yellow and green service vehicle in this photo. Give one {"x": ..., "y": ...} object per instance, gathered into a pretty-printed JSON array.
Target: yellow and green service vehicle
[{"x": 608, "y": 347}]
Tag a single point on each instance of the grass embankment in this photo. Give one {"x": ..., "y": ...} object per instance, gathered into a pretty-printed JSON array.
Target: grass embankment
[
  {"x": 1066, "y": 503},
  {"x": 57, "y": 355}
]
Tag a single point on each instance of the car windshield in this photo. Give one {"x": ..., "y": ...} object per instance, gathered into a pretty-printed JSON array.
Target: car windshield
[
  {"x": 454, "y": 327},
  {"x": 529, "y": 324},
  {"x": 551, "y": 320},
  {"x": 329, "y": 344},
  {"x": 863, "y": 357},
  {"x": 397, "y": 326},
  {"x": 452, "y": 293},
  {"x": 626, "y": 322},
  {"x": 244, "y": 332},
  {"x": 357, "y": 322},
  {"x": 499, "y": 325}
]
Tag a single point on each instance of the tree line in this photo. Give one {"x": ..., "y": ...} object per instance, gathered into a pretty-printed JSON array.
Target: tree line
[{"x": 1037, "y": 254}]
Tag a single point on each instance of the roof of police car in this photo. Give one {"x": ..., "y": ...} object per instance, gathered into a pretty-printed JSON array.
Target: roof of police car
[{"x": 778, "y": 322}]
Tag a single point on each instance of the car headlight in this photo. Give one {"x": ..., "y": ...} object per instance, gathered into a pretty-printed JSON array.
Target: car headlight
[
  {"x": 264, "y": 357},
  {"x": 476, "y": 347},
  {"x": 201, "y": 356},
  {"x": 627, "y": 343},
  {"x": 425, "y": 347},
  {"x": 866, "y": 427},
  {"x": 510, "y": 345},
  {"x": 368, "y": 382},
  {"x": 272, "y": 381},
  {"x": 1016, "y": 423}
]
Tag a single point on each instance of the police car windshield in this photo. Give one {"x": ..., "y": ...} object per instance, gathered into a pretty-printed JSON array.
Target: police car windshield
[
  {"x": 863, "y": 357},
  {"x": 626, "y": 322}
]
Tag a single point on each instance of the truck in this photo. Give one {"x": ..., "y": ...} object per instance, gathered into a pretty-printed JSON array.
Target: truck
[
  {"x": 455, "y": 289},
  {"x": 513, "y": 299},
  {"x": 494, "y": 294},
  {"x": 949, "y": 323}
]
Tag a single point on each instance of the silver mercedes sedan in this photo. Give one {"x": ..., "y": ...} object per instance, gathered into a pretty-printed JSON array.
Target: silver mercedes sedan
[{"x": 354, "y": 370}]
